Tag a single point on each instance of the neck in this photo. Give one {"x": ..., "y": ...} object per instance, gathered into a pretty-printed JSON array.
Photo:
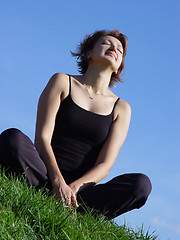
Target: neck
[{"x": 97, "y": 79}]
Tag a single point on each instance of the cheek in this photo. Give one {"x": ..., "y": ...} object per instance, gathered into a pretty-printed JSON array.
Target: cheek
[
  {"x": 119, "y": 62},
  {"x": 96, "y": 52}
]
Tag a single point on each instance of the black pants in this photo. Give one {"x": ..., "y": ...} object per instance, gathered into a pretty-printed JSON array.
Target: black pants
[{"x": 119, "y": 195}]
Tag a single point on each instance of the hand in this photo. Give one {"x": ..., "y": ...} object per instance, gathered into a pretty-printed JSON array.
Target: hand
[
  {"x": 74, "y": 187},
  {"x": 77, "y": 188},
  {"x": 62, "y": 191}
]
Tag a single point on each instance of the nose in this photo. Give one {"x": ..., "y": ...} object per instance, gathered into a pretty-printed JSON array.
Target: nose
[{"x": 113, "y": 47}]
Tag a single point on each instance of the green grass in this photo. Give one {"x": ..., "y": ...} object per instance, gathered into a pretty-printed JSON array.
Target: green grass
[{"x": 26, "y": 214}]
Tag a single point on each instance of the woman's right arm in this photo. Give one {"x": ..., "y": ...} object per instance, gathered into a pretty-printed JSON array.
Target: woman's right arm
[{"x": 55, "y": 91}]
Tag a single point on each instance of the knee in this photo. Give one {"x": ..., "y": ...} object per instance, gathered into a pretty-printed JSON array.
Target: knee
[
  {"x": 10, "y": 139},
  {"x": 143, "y": 187}
]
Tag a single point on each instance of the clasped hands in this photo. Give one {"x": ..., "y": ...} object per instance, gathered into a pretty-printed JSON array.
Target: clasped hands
[{"x": 65, "y": 193}]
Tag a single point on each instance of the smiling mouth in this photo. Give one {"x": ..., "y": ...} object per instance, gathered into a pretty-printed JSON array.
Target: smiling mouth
[{"x": 112, "y": 55}]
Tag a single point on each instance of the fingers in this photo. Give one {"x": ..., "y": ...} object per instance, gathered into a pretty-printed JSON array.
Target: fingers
[
  {"x": 65, "y": 196},
  {"x": 69, "y": 200},
  {"x": 74, "y": 201}
]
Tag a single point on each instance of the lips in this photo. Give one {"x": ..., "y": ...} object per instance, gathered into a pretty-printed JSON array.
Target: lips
[{"x": 110, "y": 53}]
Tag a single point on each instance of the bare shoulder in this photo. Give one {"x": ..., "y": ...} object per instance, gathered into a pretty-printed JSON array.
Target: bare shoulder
[
  {"x": 59, "y": 79},
  {"x": 60, "y": 82},
  {"x": 122, "y": 110}
]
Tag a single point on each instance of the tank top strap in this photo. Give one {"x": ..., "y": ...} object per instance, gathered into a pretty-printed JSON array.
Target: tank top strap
[
  {"x": 115, "y": 104},
  {"x": 69, "y": 84}
]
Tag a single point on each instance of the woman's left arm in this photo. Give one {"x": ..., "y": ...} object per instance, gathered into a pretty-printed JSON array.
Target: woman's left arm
[{"x": 110, "y": 149}]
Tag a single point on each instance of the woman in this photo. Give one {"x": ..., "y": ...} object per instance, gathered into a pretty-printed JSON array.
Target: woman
[{"x": 81, "y": 126}]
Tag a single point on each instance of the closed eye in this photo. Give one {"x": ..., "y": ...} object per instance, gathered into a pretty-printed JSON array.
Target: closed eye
[
  {"x": 109, "y": 43},
  {"x": 120, "y": 51}
]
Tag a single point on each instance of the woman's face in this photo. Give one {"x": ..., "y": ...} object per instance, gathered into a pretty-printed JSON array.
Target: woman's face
[{"x": 107, "y": 50}]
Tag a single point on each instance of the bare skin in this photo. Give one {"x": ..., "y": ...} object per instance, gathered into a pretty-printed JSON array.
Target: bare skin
[{"x": 105, "y": 58}]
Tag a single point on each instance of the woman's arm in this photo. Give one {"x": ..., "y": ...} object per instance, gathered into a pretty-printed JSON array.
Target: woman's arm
[
  {"x": 110, "y": 149},
  {"x": 55, "y": 91}
]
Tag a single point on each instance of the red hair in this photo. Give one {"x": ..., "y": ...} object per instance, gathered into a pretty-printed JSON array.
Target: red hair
[{"x": 88, "y": 43}]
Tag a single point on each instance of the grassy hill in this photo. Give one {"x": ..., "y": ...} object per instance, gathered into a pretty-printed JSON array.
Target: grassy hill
[{"x": 26, "y": 214}]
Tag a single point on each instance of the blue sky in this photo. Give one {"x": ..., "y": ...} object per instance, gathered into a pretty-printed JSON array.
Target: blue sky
[{"x": 36, "y": 39}]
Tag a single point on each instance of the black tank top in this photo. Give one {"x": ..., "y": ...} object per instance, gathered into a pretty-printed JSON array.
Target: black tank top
[{"x": 78, "y": 137}]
